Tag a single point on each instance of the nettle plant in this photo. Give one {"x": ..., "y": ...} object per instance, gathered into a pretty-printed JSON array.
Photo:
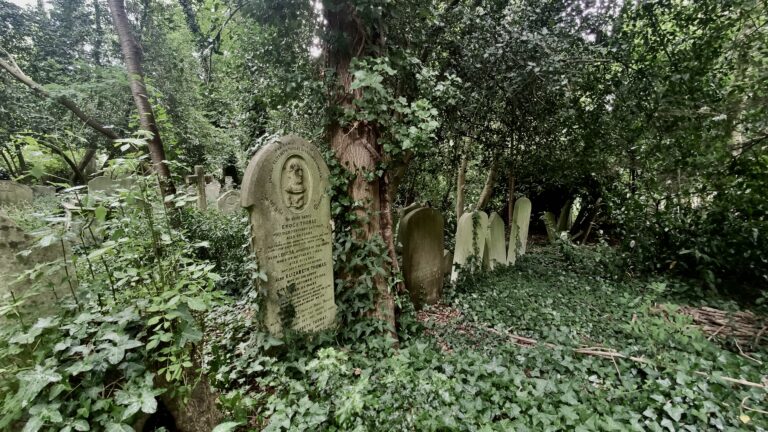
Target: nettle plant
[{"x": 124, "y": 335}]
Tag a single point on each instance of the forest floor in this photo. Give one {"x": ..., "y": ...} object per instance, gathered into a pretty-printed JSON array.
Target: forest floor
[{"x": 548, "y": 344}]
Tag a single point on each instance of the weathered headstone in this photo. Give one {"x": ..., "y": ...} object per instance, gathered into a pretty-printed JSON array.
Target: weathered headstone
[
  {"x": 212, "y": 191},
  {"x": 14, "y": 193},
  {"x": 104, "y": 186},
  {"x": 518, "y": 232},
  {"x": 42, "y": 191},
  {"x": 14, "y": 240},
  {"x": 497, "y": 251},
  {"x": 447, "y": 261},
  {"x": 470, "y": 241},
  {"x": 422, "y": 236},
  {"x": 285, "y": 191},
  {"x": 229, "y": 202},
  {"x": 229, "y": 184},
  {"x": 551, "y": 224},
  {"x": 198, "y": 180},
  {"x": 401, "y": 214}
]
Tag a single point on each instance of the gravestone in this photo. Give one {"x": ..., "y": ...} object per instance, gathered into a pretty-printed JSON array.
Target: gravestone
[
  {"x": 422, "y": 234},
  {"x": 285, "y": 191},
  {"x": 14, "y": 193},
  {"x": 447, "y": 261},
  {"x": 212, "y": 191},
  {"x": 103, "y": 186},
  {"x": 229, "y": 184},
  {"x": 198, "y": 180},
  {"x": 229, "y": 202},
  {"x": 14, "y": 240},
  {"x": 470, "y": 242},
  {"x": 497, "y": 250},
  {"x": 551, "y": 224},
  {"x": 43, "y": 191},
  {"x": 518, "y": 232},
  {"x": 402, "y": 213}
]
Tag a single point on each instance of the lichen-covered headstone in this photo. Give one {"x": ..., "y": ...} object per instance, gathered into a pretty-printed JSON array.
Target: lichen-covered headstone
[
  {"x": 285, "y": 191},
  {"x": 229, "y": 202},
  {"x": 497, "y": 250},
  {"x": 470, "y": 242},
  {"x": 12, "y": 193},
  {"x": 518, "y": 232},
  {"x": 422, "y": 236}
]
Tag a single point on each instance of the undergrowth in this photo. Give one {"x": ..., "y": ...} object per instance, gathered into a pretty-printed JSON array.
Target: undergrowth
[{"x": 465, "y": 372}]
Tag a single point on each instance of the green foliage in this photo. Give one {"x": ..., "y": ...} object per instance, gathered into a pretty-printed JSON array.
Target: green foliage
[
  {"x": 130, "y": 325},
  {"x": 465, "y": 373}
]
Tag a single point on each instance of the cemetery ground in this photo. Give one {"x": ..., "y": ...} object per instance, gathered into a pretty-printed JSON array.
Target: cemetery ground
[
  {"x": 553, "y": 343},
  {"x": 562, "y": 340}
]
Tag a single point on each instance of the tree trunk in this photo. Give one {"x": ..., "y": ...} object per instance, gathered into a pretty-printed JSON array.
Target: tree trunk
[
  {"x": 132, "y": 57},
  {"x": 356, "y": 146},
  {"x": 490, "y": 182},
  {"x": 461, "y": 180},
  {"x": 511, "y": 203}
]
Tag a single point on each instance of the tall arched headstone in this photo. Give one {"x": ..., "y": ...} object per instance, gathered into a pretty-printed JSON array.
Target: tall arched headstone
[
  {"x": 285, "y": 191},
  {"x": 402, "y": 213},
  {"x": 497, "y": 250},
  {"x": 470, "y": 241},
  {"x": 422, "y": 236},
  {"x": 518, "y": 233},
  {"x": 14, "y": 193}
]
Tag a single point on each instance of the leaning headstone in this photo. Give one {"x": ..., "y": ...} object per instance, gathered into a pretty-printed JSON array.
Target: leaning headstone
[
  {"x": 229, "y": 202},
  {"x": 447, "y": 261},
  {"x": 518, "y": 232},
  {"x": 285, "y": 191},
  {"x": 497, "y": 250},
  {"x": 422, "y": 234},
  {"x": 470, "y": 242},
  {"x": 14, "y": 193}
]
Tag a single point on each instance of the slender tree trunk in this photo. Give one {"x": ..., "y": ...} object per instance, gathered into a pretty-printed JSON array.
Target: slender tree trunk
[
  {"x": 356, "y": 146},
  {"x": 511, "y": 203},
  {"x": 490, "y": 182},
  {"x": 99, "y": 33},
  {"x": 461, "y": 180},
  {"x": 132, "y": 57}
]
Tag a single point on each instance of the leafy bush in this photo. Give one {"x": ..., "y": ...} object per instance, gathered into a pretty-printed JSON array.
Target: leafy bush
[{"x": 124, "y": 337}]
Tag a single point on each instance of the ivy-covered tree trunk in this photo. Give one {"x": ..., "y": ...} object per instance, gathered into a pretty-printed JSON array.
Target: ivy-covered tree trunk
[
  {"x": 132, "y": 58},
  {"x": 356, "y": 145}
]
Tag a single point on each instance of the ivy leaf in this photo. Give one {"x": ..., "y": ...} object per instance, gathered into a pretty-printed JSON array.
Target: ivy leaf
[
  {"x": 226, "y": 426},
  {"x": 100, "y": 212},
  {"x": 674, "y": 411}
]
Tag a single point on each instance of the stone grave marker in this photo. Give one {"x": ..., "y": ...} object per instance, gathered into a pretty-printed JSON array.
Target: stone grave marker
[
  {"x": 518, "y": 232},
  {"x": 42, "y": 191},
  {"x": 447, "y": 261},
  {"x": 551, "y": 224},
  {"x": 14, "y": 240},
  {"x": 285, "y": 191},
  {"x": 14, "y": 193},
  {"x": 229, "y": 184},
  {"x": 212, "y": 191},
  {"x": 497, "y": 250},
  {"x": 470, "y": 241},
  {"x": 401, "y": 214},
  {"x": 422, "y": 236},
  {"x": 198, "y": 180},
  {"x": 103, "y": 186},
  {"x": 229, "y": 202}
]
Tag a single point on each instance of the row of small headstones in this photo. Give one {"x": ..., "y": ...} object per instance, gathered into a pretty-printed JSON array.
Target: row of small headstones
[{"x": 426, "y": 262}]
